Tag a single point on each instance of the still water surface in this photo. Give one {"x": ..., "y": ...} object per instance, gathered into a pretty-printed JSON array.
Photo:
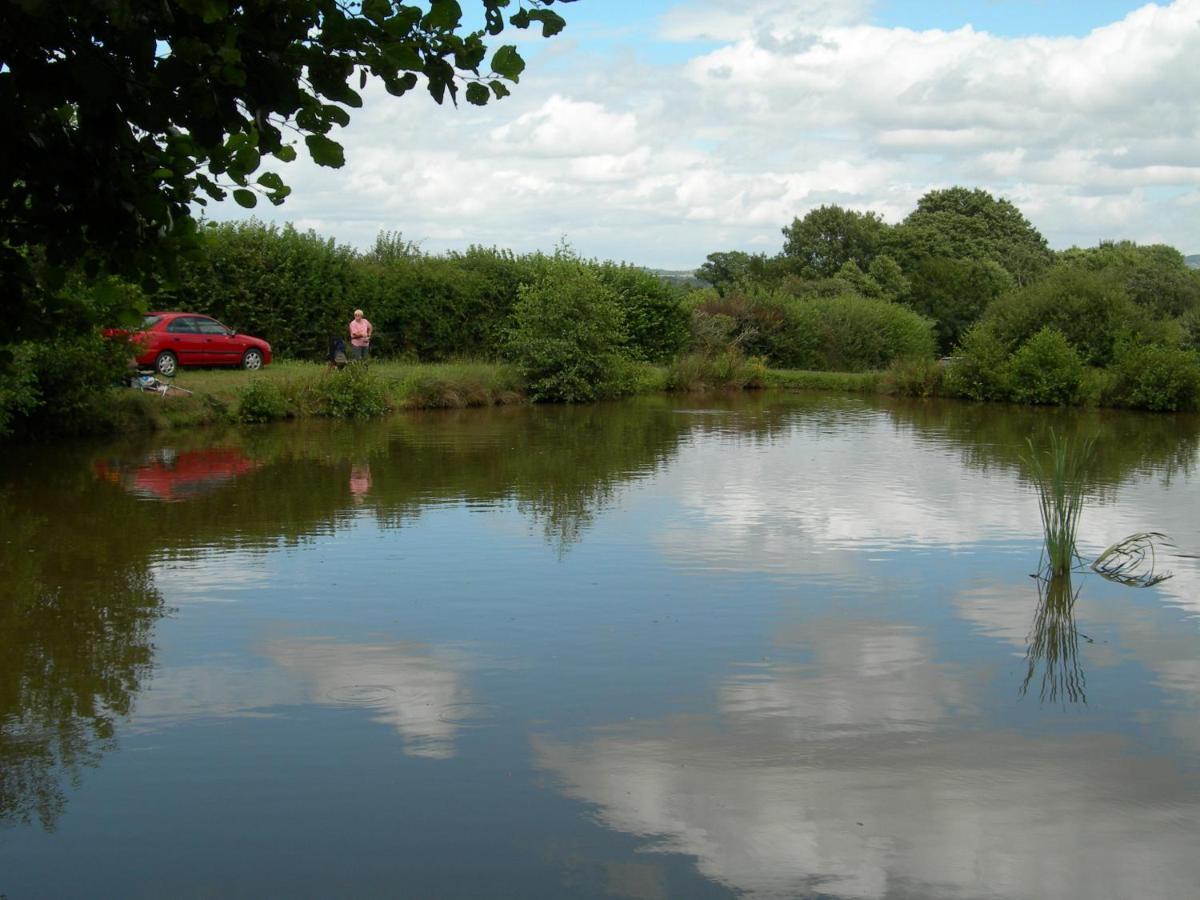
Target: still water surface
[{"x": 767, "y": 646}]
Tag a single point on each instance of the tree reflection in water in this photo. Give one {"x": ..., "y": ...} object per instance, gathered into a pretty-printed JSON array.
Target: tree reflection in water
[
  {"x": 77, "y": 646},
  {"x": 1054, "y": 643}
]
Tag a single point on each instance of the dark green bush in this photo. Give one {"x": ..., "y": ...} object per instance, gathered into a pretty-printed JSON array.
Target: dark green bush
[
  {"x": 261, "y": 401},
  {"x": 1089, "y": 310},
  {"x": 567, "y": 333},
  {"x": 1045, "y": 370},
  {"x": 842, "y": 333},
  {"x": 63, "y": 383},
  {"x": 850, "y": 334},
  {"x": 1158, "y": 378},
  {"x": 979, "y": 369},
  {"x": 352, "y": 393},
  {"x": 19, "y": 395},
  {"x": 656, "y": 323},
  {"x": 954, "y": 293}
]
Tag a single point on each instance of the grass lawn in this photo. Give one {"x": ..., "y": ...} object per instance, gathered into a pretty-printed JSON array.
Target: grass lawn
[{"x": 292, "y": 389}]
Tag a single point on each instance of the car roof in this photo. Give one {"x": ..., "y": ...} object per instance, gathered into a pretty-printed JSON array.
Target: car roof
[{"x": 177, "y": 313}]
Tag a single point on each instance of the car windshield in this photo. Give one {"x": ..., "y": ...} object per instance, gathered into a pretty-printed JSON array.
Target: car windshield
[{"x": 150, "y": 321}]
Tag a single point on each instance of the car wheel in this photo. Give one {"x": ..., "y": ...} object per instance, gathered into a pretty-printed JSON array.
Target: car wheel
[
  {"x": 252, "y": 360},
  {"x": 166, "y": 364}
]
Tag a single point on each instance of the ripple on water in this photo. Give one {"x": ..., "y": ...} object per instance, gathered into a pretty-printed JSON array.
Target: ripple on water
[{"x": 361, "y": 694}]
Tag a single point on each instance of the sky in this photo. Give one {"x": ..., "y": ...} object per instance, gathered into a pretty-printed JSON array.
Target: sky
[{"x": 659, "y": 131}]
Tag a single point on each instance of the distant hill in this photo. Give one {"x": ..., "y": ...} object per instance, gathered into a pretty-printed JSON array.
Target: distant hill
[{"x": 1193, "y": 260}]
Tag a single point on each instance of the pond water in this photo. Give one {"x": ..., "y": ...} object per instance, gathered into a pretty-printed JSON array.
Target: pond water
[{"x": 675, "y": 647}]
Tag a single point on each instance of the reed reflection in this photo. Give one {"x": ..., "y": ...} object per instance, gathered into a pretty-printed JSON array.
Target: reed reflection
[{"x": 1053, "y": 654}]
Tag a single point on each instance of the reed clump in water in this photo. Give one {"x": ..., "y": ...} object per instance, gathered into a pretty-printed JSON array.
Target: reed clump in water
[{"x": 1060, "y": 473}]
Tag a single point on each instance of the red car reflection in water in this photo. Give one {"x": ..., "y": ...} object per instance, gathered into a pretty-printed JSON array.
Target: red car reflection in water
[{"x": 172, "y": 477}]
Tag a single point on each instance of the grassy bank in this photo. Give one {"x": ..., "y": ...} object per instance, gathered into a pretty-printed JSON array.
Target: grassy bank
[
  {"x": 292, "y": 390},
  {"x": 842, "y": 382},
  {"x": 298, "y": 390}
]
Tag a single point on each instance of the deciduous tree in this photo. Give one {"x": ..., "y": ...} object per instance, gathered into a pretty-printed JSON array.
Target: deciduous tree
[{"x": 120, "y": 115}]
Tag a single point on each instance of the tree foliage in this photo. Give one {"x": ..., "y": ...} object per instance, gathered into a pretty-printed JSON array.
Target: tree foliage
[
  {"x": 120, "y": 115},
  {"x": 829, "y": 237},
  {"x": 964, "y": 223}
]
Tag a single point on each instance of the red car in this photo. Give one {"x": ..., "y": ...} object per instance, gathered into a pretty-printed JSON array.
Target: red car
[{"x": 169, "y": 340}]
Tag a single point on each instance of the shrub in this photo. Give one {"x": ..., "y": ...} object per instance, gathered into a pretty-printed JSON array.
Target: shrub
[
  {"x": 353, "y": 393},
  {"x": 919, "y": 376},
  {"x": 1158, "y": 378},
  {"x": 63, "y": 383},
  {"x": 19, "y": 394},
  {"x": 851, "y": 334},
  {"x": 656, "y": 323},
  {"x": 1190, "y": 325},
  {"x": 728, "y": 368},
  {"x": 1090, "y": 310},
  {"x": 1046, "y": 369},
  {"x": 261, "y": 401},
  {"x": 979, "y": 371},
  {"x": 566, "y": 334}
]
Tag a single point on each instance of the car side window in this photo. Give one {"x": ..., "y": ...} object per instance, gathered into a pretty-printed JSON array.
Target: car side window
[
  {"x": 182, "y": 325},
  {"x": 208, "y": 326}
]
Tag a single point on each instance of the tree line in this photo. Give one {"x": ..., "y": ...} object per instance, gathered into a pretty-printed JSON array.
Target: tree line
[{"x": 964, "y": 276}]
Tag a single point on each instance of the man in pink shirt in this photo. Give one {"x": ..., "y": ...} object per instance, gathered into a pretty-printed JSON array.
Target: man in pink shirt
[{"x": 360, "y": 336}]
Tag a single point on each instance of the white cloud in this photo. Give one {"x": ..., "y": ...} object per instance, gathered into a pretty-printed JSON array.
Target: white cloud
[
  {"x": 861, "y": 778},
  {"x": 798, "y": 104}
]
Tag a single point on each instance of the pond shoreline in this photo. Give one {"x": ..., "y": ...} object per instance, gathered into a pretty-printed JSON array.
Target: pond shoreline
[{"x": 297, "y": 391}]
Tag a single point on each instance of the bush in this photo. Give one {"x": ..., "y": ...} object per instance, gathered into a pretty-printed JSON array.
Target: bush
[
  {"x": 353, "y": 393},
  {"x": 566, "y": 334},
  {"x": 19, "y": 395},
  {"x": 1190, "y": 324},
  {"x": 1158, "y": 378},
  {"x": 851, "y": 334},
  {"x": 841, "y": 332},
  {"x": 728, "y": 368},
  {"x": 1046, "y": 369},
  {"x": 919, "y": 376},
  {"x": 979, "y": 371},
  {"x": 261, "y": 401},
  {"x": 656, "y": 323},
  {"x": 63, "y": 383},
  {"x": 1090, "y": 310}
]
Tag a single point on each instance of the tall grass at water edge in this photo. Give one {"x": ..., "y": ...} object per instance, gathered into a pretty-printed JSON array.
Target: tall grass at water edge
[{"x": 1060, "y": 474}]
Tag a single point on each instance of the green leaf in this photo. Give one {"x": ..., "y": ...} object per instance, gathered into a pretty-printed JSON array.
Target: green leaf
[
  {"x": 245, "y": 198},
  {"x": 286, "y": 153},
  {"x": 376, "y": 10},
  {"x": 336, "y": 114},
  {"x": 499, "y": 89},
  {"x": 552, "y": 22},
  {"x": 508, "y": 63},
  {"x": 443, "y": 14},
  {"x": 325, "y": 152},
  {"x": 399, "y": 86},
  {"x": 270, "y": 180},
  {"x": 477, "y": 94}
]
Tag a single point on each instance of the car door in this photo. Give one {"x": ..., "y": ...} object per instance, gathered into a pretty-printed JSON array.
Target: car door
[
  {"x": 183, "y": 339},
  {"x": 219, "y": 346}
]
